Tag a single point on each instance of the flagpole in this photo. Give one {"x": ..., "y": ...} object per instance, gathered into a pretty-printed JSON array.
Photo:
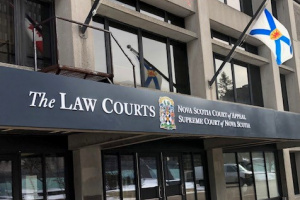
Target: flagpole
[{"x": 238, "y": 42}]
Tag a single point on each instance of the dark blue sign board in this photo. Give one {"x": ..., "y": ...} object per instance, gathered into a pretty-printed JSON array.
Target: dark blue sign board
[{"x": 38, "y": 100}]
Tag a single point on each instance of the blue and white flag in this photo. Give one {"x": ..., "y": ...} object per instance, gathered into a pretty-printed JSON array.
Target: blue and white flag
[{"x": 273, "y": 34}]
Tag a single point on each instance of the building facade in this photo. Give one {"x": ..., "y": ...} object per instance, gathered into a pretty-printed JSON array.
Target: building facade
[{"x": 124, "y": 109}]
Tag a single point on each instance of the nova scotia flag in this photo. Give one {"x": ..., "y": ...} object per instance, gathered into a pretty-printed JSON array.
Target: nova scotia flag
[{"x": 271, "y": 32}]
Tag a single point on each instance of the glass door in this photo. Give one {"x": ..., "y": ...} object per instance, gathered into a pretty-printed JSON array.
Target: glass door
[
  {"x": 150, "y": 177},
  {"x": 174, "y": 188}
]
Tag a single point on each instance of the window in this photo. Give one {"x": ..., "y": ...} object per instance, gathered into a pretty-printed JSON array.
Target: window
[
  {"x": 238, "y": 82},
  {"x": 43, "y": 176},
  {"x": 284, "y": 92},
  {"x": 274, "y": 8},
  {"x": 297, "y": 1},
  {"x": 231, "y": 41},
  {"x": 160, "y": 63},
  {"x": 242, "y": 5},
  {"x": 152, "y": 11},
  {"x": 293, "y": 157},
  {"x": 251, "y": 175},
  {"x": 16, "y": 32}
]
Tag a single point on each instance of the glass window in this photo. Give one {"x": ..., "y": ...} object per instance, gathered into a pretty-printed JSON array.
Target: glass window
[
  {"x": 32, "y": 179},
  {"x": 254, "y": 178},
  {"x": 123, "y": 70},
  {"x": 156, "y": 63},
  {"x": 55, "y": 178},
  {"x": 199, "y": 174},
  {"x": 272, "y": 176},
  {"x": 233, "y": 82},
  {"x": 231, "y": 176},
  {"x": 236, "y": 4},
  {"x": 99, "y": 47},
  {"x": 224, "y": 82},
  {"x": 111, "y": 169},
  {"x": 295, "y": 172},
  {"x": 128, "y": 177},
  {"x": 7, "y": 32},
  {"x": 260, "y": 175},
  {"x": 284, "y": 93},
  {"x": 37, "y": 12},
  {"x": 246, "y": 176},
  {"x": 6, "y": 179},
  {"x": 152, "y": 11},
  {"x": 241, "y": 84},
  {"x": 180, "y": 71},
  {"x": 189, "y": 176}
]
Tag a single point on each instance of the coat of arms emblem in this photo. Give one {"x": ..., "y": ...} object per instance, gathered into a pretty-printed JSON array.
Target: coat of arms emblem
[{"x": 167, "y": 113}]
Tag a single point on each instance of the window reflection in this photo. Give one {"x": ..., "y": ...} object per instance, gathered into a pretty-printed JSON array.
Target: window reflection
[
  {"x": 234, "y": 4},
  {"x": 271, "y": 172},
  {"x": 246, "y": 176},
  {"x": 32, "y": 180},
  {"x": 7, "y": 31},
  {"x": 231, "y": 176},
  {"x": 36, "y": 12},
  {"x": 155, "y": 52},
  {"x": 5, "y": 179},
  {"x": 148, "y": 172},
  {"x": 199, "y": 174},
  {"x": 260, "y": 175},
  {"x": 111, "y": 177},
  {"x": 225, "y": 82},
  {"x": 128, "y": 177},
  {"x": 123, "y": 71},
  {"x": 99, "y": 48},
  {"x": 189, "y": 176},
  {"x": 55, "y": 178},
  {"x": 242, "y": 84}
]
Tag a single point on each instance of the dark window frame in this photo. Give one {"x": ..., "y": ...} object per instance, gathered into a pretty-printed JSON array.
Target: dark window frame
[
  {"x": 242, "y": 64},
  {"x": 152, "y": 9},
  {"x": 231, "y": 41},
  {"x": 140, "y": 33},
  {"x": 284, "y": 92},
  {"x": 20, "y": 32},
  {"x": 245, "y": 7},
  {"x": 262, "y": 150}
]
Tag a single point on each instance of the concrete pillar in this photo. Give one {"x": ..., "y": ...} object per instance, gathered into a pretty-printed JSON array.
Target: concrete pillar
[
  {"x": 74, "y": 50},
  {"x": 88, "y": 174},
  {"x": 216, "y": 174},
  {"x": 200, "y": 57},
  {"x": 286, "y": 176}
]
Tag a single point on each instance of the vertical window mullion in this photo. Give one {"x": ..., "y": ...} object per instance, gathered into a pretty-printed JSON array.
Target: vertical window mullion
[
  {"x": 120, "y": 176},
  {"x": 239, "y": 177},
  {"x": 250, "y": 84},
  {"x": 137, "y": 5},
  {"x": 233, "y": 80},
  {"x": 254, "y": 182},
  {"x": 267, "y": 178},
  {"x": 44, "y": 176},
  {"x": 141, "y": 53},
  {"x": 108, "y": 48},
  {"x": 194, "y": 175},
  {"x": 137, "y": 176},
  {"x": 169, "y": 65}
]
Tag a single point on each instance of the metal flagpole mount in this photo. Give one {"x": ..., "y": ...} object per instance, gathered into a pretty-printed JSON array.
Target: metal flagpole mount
[
  {"x": 92, "y": 13},
  {"x": 238, "y": 42}
]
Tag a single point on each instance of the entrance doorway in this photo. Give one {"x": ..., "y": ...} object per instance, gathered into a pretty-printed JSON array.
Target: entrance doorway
[
  {"x": 160, "y": 176},
  {"x": 154, "y": 176}
]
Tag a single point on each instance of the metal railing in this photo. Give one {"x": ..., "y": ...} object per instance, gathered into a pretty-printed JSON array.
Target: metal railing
[{"x": 35, "y": 26}]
